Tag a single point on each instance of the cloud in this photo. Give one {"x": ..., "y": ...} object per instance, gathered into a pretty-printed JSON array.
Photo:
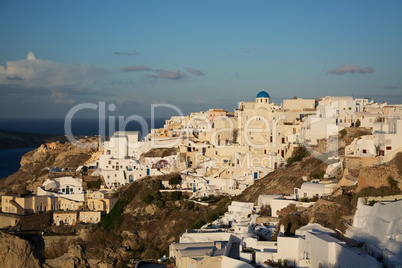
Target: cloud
[
  {"x": 194, "y": 72},
  {"x": 351, "y": 68},
  {"x": 172, "y": 75},
  {"x": 14, "y": 78},
  {"x": 31, "y": 56},
  {"x": 60, "y": 97},
  {"x": 38, "y": 73},
  {"x": 130, "y": 103},
  {"x": 389, "y": 87},
  {"x": 136, "y": 68},
  {"x": 133, "y": 52},
  {"x": 200, "y": 101}
]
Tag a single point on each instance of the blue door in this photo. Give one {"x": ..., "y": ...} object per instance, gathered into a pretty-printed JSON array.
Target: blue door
[
  {"x": 67, "y": 190},
  {"x": 255, "y": 175},
  {"x": 147, "y": 171}
]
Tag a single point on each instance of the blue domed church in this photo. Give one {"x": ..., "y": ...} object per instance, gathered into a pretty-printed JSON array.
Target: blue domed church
[{"x": 262, "y": 100}]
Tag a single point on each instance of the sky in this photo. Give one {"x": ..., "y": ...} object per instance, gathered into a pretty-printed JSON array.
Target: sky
[{"x": 194, "y": 55}]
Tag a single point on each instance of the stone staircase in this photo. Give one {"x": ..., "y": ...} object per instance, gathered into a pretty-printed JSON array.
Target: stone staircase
[{"x": 20, "y": 210}]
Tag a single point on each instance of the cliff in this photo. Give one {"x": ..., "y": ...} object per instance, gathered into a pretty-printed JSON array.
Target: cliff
[
  {"x": 35, "y": 165},
  {"x": 16, "y": 252}
]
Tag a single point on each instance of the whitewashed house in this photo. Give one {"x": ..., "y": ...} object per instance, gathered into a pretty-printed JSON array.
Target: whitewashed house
[
  {"x": 314, "y": 189},
  {"x": 66, "y": 187}
]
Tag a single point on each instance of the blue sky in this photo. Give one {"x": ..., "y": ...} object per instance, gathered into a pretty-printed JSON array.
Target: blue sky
[{"x": 193, "y": 54}]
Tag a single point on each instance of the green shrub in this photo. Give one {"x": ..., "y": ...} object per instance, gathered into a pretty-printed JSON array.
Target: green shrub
[
  {"x": 393, "y": 184},
  {"x": 266, "y": 211},
  {"x": 343, "y": 133},
  {"x": 175, "y": 180},
  {"x": 94, "y": 184},
  {"x": 175, "y": 196},
  {"x": 148, "y": 199},
  {"x": 298, "y": 154},
  {"x": 319, "y": 176},
  {"x": 189, "y": 205}
]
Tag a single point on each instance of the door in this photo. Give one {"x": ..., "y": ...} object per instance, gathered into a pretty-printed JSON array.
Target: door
[
  {"x": 67, "y": 189},
  {"x": 255, "y": 175}
]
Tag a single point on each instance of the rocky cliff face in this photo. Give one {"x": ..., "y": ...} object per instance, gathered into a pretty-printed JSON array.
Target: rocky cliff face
[
  {"x": 35, "y": 165},
  {"x": 16, "y": 252},
  {"x": 75, "y": 257}
]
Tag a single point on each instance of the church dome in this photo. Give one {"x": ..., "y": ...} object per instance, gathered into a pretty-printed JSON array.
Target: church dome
[{"x": 262, "y": 94}]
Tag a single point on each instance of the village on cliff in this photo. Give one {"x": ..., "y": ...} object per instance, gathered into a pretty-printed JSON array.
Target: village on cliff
[{"x": 216, "y": 153}]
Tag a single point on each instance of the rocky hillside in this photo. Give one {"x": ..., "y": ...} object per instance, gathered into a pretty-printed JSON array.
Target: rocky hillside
[
  {"x": 145, "y": 222},
  {"x": 16, "y": 252},
  {"x": 283, "y": 180},
  {"x": 35, "y": 166}
]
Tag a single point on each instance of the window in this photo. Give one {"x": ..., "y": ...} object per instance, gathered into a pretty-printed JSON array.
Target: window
[
  {"x": 389, "y": 148},
  {"x": 364, "y": 151}
]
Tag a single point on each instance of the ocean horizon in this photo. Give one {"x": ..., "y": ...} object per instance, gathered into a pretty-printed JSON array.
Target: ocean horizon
[{"x": 80, "y": 126}]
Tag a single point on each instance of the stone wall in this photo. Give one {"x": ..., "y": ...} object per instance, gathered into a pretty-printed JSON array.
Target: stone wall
[{"x": 8, "y": 220}]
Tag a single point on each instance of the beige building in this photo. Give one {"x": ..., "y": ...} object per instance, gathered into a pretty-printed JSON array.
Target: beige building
[
  {"x": 28, "y": 204},
  {"x": 102, "y": 200},
  {"x": 65, "y": 217},
  {"x": 34, "y": 204},
  {"x": 89, "y": 216}
]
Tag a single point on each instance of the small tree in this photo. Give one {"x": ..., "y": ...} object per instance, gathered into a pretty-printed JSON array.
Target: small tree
[
  {"x": 175, "y": 195},
  {"x": 175, "y": 180},
  {"x": 235, "y": 135},
  {"x": 357, "y": 124},
  {"x": 84, "y": 170},
  {"x": 393, "y": 184},
  {"x": 148, "y": 199}
]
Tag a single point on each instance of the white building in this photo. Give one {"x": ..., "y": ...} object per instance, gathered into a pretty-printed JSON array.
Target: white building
[
  {"x": 316, "y": 246},
  {"x": 386, "y": 141},
  {"x": 379, "y": 227},
  {"x": 66, "y": 187},
  {"x": 314, "y": 189}
]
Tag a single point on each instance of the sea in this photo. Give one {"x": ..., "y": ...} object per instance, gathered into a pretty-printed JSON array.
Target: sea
[{"x": 10, "y": 158}]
